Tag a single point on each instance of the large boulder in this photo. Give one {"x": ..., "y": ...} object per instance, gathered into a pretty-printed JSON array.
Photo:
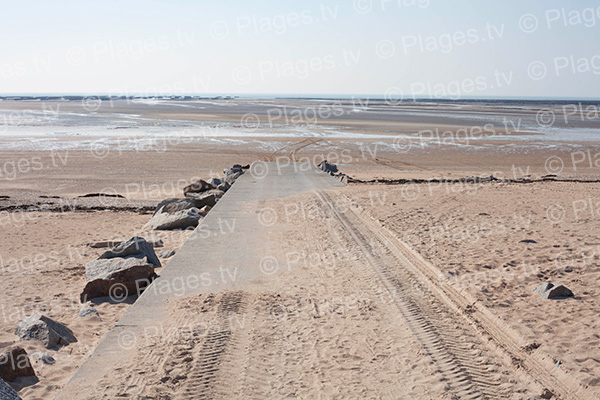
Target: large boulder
[
  {"x": 180, "y": 220},
  {"x": 39, "y": 327},
  {"x": 137, "y": 247},
  {"x": 7, "y": 392},
  {"x": 215, "y": 182},
  {"x": 197, "y": 187},
  {"x": 14, "y": 363},
  {"x": 117, "y": 277}
]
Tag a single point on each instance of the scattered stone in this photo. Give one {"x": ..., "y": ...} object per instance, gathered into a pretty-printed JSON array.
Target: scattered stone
[
  {"x": 137, "y": 247},
  {"x": 197, "y": 187},
  {"x": 14, "y": 363},
  {"x": 547, "y": 394},
  {"x": 224, "y": 186},
  {"x": 117, "y": 277},
  {"x": 549, "y": 291},
  {"x": 166, "y": 253},
  {"x": 528, "y": 241},
  {"x": 39, "y": 327},
  {"x": 180, "y": 220},
  {"x": 568, "y": 269},
  {"x": 102, "y": 195},
  {"x": 7, "y": 392},
  {"x": 215, "y": 182},
  {"x": 44, "y": 358},
  {"x": 87, "y": 311}
]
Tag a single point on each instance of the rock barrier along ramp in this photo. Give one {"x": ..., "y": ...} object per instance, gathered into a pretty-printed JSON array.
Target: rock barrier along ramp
[{"x": 230, "y": 238}]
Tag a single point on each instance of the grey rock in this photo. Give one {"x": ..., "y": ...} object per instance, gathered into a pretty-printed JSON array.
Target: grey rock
[
  {"x": 166, "y": 253},
  {"x": 137, "y": 247},
  {"x": 87, "y": 311},
  {"x": 7, "y": 392},
  {"x": 180, "y": 220},
  {"x": 39, "y": 327},
  {"x": 215, "y": 182},
  {"x": 224, "y": 186},
  {"x": 543, "y": 287},
  {"x": 550, "y": 291},
  {"x": 117, "y": 277},
  {"x": 329, "y": 168},
  {"x": 44, "y": 358},
  {"x": 232, "y": 177}
]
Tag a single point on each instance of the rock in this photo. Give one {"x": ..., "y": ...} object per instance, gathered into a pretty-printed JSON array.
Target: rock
[
  {"x": 549, "y": 291},
  {"x": 224, "y": 186},
  {"x": 14, "y": 363},
  {"x": 137, "y": 247},
  {"x": 102, "y": 195},
  {"x": 215, "y": 182},
  {"x": 113, "y": 243},
  {"x": 197, "y": 187},
  {"x": 180, "y": 220},
  {"x": 44, "y": 358},
  {"x": 87, "y": 311},
  {"x": 546, "y": 394},
  {"x": 232, "y": 177},
  {"x": 247, "y": 166},
  {"x": 7, "y": 392},
  {"x": 39, "y": 327},
  {"x": 166, "y": 253},
  {"x": 329, "y": 168},
  {"x": 528, "y": 241},
  {"x": 558, "y": 292},
  {"x": 201, "y": 200},
  {"x": 543, "y": 288},
  {"x": 117, "y": 277}
]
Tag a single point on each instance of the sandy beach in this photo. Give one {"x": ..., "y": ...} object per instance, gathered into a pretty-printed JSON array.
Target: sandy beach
[{"x": 419, "y": 177}]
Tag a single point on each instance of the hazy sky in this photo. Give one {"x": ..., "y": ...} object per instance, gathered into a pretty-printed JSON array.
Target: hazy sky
[{"x": 398, "y": 48}]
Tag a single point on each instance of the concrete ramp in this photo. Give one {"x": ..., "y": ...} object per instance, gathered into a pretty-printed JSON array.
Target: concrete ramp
[{"x": 230, "y": 238}]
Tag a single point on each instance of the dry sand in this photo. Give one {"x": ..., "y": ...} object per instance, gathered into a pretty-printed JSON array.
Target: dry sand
[{"x": 322, "y": 330}]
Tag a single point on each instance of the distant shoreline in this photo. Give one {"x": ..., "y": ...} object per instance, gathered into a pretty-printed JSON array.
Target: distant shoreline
[{"x": 515, "y": 100}]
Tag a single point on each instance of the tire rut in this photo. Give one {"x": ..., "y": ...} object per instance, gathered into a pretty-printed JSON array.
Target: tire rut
[{"x": 459, "y": 354}]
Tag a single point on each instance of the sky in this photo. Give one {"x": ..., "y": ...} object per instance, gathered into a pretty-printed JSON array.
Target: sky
[{"x": 396, "y": 49}]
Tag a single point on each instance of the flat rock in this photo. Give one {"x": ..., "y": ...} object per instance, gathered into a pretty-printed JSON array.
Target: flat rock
[
  {"x": 201, "y": 200},
  {"x": 7, "y": 392},
  {"x": 44, "y": 358},
  {"x": 113, "y": 243},
  {"x": 39, "y": 327},
  {"x": 166, "y": 253},
  {"x": 197, "y": 187},
  {"x": 180, "y": 220},
  {"x": 14, "y": 363},
  {"x": 136, "y": 246},
  {"x": 118, "y": 277}
]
